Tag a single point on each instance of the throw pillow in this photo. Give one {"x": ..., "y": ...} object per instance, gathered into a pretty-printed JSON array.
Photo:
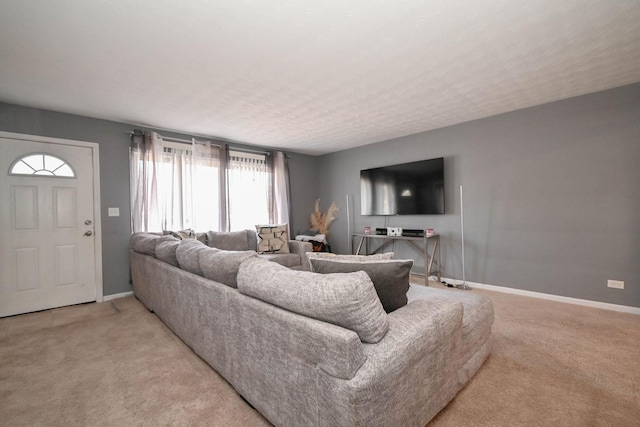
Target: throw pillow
[
  {"x": 222, "y": 266},
  {"x": 228, "y": 240},
  {"x": 359, "y": 258},
  {"x": 166, "y": 250},
  {"x": 272, "y": 239},
  {"x": 390, "y": 277},
  {"x": 187, "y": 255},
  {"x": 347, "y": 300}
]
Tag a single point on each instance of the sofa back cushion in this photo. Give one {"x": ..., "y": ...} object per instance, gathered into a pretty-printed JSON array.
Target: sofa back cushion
[
  {"x": 187, "y": 255},
  {"x": 144, "y": 243},
  {"x": 228, "y": 241},
  {"x": 185, "y": 234},
  {"x": 344, "y": 299},
  {"x": 166, "y": 250},
  {"x": 390, "y": 277},
  {"x": 222, "y": 266}
]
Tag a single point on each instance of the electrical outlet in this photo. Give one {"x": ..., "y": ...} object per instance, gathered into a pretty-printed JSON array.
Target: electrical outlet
[{"x": 617, "y": 284}]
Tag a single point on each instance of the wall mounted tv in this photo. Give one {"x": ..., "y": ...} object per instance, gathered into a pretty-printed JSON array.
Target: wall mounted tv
[{"x": 415, "y": 188}]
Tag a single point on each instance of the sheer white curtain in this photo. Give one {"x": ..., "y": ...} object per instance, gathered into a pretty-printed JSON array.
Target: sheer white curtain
[
  {"x": 175, "y": 186},
  {"x": 279, "y": 213},
  {"x": 145, "y": 153},
  {"x": 249, "y": 183}
]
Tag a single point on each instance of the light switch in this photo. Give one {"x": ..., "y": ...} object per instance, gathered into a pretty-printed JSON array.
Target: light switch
[{"x": 114, "y": 211}]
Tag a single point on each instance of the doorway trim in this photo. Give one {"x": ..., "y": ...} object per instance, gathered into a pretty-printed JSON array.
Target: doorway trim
[{"x": 95, "y": 151}]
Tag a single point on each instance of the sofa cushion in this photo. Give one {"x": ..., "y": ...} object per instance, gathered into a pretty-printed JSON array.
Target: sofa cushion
[
  {"x": 166, "y": 249},
  {"x": 272, "y": 239},
  {"x": 222, "y": 266},
  {"x": 336, "y": 257},
  {"x": 144, "y": 243},
  {"x": 288, "y": 260},
  {"x": 187, "y": 255},
  {"x": 390, "y": 277},
  {"x": 344, "y": 299},
  {"x": 228, "y": 240}
]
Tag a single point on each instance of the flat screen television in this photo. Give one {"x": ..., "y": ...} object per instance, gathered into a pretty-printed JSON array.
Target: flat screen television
[{"x": 415, "y": 188}]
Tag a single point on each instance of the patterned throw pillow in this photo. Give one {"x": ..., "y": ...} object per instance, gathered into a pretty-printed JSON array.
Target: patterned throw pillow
[{"x": 272, "y": 239}]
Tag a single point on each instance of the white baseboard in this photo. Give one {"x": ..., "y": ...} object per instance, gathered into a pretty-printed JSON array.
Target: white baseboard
[
  {"x": 569, "y": 300},
  {"x": 116, "y": 296}
]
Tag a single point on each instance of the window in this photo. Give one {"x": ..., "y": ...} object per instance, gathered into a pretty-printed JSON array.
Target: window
[
  {"x": 174, "y": 186},
  {"x": 204, "y": 186},
  {"x": 188, "y": 182},
  {"x": 249, "y": 181},
  {"x": 41, "y": 164}
]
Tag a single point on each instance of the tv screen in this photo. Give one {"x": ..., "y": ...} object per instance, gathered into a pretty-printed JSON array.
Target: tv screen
[{"x": 415, "y": 188}]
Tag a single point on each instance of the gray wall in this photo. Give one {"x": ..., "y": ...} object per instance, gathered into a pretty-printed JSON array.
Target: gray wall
[
  {"x": 114, "y": 176},
  {"x": 551, "y": 196},
  {"x": 304, "y": 181}
]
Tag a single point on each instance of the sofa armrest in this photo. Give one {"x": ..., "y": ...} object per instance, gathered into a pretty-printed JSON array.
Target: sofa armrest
[
  {"x": 301, "y": 248},
  {"x": 409, "y": 375},
  {"x": 419, "y": 328}
]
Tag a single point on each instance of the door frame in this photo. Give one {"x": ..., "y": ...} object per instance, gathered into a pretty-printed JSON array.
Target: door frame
[{"x": 95, "y": 151}]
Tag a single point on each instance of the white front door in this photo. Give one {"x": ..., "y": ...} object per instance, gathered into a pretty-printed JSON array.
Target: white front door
[{"x": 47, "y": 252}]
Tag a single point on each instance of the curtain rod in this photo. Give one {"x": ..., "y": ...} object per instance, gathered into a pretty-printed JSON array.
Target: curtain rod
[
  {"x": 168, "y": 138},
  {"x": 186, "y": 141},
  {"x": 249, "y": 150}
]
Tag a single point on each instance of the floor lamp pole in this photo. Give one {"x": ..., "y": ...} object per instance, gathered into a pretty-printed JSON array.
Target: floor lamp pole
[
  {"x": 463, "y": 285},
  {"x": 349, "y": 239}
]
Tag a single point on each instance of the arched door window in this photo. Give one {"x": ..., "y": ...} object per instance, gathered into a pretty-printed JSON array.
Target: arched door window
[{"x": 42, "y": 165}]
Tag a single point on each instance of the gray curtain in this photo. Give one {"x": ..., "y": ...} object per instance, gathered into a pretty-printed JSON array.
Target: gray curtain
[{"x": 280, "y": 190}]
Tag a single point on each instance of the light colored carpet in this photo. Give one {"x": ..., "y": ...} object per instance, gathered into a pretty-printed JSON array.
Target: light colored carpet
[
  {"x": 126, "y": 369},
  {"x": 552, "y": 364}
]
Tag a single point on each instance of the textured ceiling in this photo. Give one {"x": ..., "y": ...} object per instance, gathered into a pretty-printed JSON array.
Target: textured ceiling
[{"x": 311, "y": 76}]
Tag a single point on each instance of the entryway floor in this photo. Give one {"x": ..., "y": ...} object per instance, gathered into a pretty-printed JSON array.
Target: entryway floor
[{"x": 32, "y": 322}]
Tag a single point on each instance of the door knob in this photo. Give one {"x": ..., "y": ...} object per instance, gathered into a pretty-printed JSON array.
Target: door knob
[{"x": 88, "y": 233}]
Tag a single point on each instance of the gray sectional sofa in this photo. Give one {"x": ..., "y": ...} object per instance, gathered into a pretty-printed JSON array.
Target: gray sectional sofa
[{"x": 310, "y": 349}]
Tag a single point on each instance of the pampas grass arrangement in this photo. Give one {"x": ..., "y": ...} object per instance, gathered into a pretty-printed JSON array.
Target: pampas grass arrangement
[{"x": 320, "y": 221}]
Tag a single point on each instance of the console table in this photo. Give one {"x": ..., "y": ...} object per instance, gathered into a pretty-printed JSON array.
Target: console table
[{"x": 428, "y": 246}]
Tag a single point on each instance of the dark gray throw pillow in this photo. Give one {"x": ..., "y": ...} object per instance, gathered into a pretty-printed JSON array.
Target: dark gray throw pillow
[{"x": 389, "y": 277}]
